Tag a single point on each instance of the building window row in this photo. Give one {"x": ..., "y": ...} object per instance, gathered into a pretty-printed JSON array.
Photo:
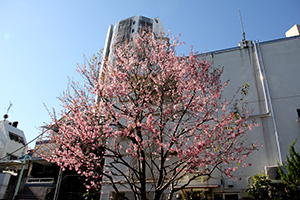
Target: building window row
[{"x": 16, "y": 138}]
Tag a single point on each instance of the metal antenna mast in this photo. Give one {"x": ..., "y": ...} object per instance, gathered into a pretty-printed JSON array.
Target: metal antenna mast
[
  {"x": 10, "y": 105},
  {"x": 6, "y": 115},
  {"x": 244, "y": 37}
]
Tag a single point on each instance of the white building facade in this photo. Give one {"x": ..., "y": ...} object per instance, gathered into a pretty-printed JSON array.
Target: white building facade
[
  {"x": 271, "y": 68},
  {"x": 11, "y": 139}
]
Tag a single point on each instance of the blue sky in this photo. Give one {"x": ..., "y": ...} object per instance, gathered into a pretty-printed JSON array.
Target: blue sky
[{"x": 42, "y": 41}]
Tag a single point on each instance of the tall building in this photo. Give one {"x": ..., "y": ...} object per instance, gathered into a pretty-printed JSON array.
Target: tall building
[
  {"x": 271, "y": 68},
  {"x": 126, "y": 29}
]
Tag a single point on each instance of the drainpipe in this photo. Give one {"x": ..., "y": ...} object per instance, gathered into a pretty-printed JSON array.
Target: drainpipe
[
  {"x": 263, "y": 80},
  {"x": 267, "y": 96}
]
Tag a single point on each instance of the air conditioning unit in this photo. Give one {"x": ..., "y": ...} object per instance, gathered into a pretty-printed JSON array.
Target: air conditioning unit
[{"x": 272, "y": 173}]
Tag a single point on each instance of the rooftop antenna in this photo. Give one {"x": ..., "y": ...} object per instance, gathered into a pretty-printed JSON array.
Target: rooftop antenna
[
  {"x": 244, "y": 37},
  {"x": 6, "y": 115}
]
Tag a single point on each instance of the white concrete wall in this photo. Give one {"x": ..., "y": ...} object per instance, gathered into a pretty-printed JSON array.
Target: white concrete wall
[
  {"x": 281, "y": 59},
  {"x": 6, "y": 144},
  {"x": 282, "y": 63}
]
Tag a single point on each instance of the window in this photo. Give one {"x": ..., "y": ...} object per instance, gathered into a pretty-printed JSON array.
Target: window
[
  {"x": 231, "y": 196},
  {"x": 11, "y": 157},
  {"x": 121, "y": 196},
  {"x": 145, "y": 24},
  {"x": 123, "y": 31},
  {"x": 16, "y": 138},
  {"x": 218, "y": 197}
]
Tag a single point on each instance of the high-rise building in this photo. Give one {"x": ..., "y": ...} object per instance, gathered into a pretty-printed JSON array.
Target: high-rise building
[{"x": 125, "y": 30}]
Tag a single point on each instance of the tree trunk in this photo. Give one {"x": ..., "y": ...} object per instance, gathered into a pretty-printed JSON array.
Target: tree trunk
[{"x": 157, "y": 195}]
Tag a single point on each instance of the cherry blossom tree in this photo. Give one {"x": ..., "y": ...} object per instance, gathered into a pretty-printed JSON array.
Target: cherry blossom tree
[{"x": 153, "y": 121}]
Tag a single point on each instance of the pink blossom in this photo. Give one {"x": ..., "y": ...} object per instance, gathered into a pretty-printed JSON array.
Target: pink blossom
[
  {"x": 149, "y": 106},
  {"x": 129, "y": 150}
]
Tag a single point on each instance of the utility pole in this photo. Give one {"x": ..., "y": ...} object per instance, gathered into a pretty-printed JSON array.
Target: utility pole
[{"x": 20, "y": 177}]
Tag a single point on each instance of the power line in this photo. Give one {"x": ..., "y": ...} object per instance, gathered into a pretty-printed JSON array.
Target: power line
[{"x": 25, "y": 145}]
